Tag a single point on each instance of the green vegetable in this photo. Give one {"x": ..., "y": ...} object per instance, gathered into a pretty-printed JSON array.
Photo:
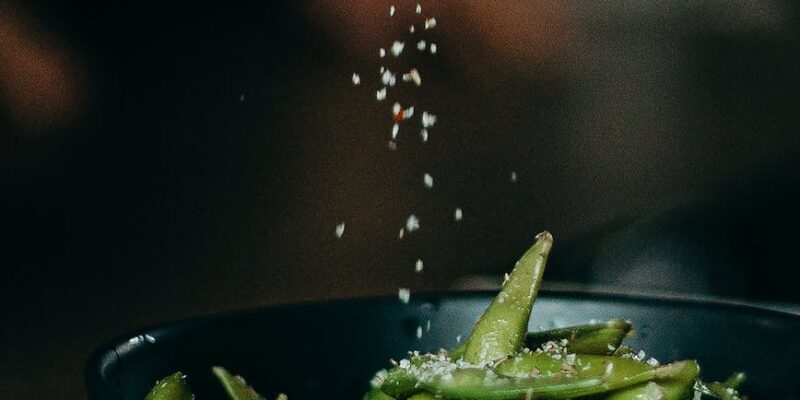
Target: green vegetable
[
  {"x": 602, "y": 338},
  {"x": 679, "y": 387},
  {"x": 172, "y": 387},
  {"x": 235, "y": 386},
  {"x": 501, "y": 329}
]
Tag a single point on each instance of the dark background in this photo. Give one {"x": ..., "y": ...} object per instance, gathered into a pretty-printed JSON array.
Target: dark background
[{"x": 160, "y": 162}]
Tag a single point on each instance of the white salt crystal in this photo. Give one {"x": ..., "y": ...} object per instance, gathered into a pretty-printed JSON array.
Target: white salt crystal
[
  {"x": 339, "y": 230},
  {"x": 428, "y": 180},
  {"x": 404, "y": 295}
]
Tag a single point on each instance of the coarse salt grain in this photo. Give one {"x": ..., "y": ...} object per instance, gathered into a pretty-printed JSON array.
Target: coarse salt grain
[
  {"x": 458, "y": 339},
  {"x": 404, "y": 295},
  {"x": 408, "y": 113},
  {"x": 396, "y": 108},
  {"x": 391, "y": 11},
  {"x": 412, "y": 223},
  {"x": 411, "y": 29},
  {"x": 149, "y": 339},
  {"x": 392, "y": 145},
  {"x": 414, "y": 76},
  {"x": 430, "y": 23},
  {"x": 459, "y": 214},
  {"x": 419, "y": 332},
  {"x": 652, "y": 362},
  {"x": 339, "y": 230},
  {"x": 388, "y": 78},
  {"x": 395, "y": 130},
  {"x": 381, "y": 94},
  {"x": 427, "y": 179},
  {"x": 356, "y": 79},
  {"x": 433, "y": 48},
  {"x": 418, "y": 10},
  {"x": 424, "y": 134},
  {"x": 428, "y": 326},
  {"x": 397, "y": 48},
  {"x": 513, "y": 176},
  {"x": 382, "y": 52},
  {"x": 421, "y": 45},
  {"x": 428, "y": 119},
  {"x": 418, "y": 266},
  {"x": 402, "y": 233}
]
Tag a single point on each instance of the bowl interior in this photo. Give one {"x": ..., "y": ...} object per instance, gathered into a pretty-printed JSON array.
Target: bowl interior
[{"x": 331, "y": 350}]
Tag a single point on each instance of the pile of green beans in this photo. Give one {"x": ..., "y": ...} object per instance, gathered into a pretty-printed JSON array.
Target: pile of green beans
[{"x": 502, "y": 361}]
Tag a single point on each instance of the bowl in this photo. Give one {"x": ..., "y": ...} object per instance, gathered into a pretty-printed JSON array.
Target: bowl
[{"x": 332, "y": 349}]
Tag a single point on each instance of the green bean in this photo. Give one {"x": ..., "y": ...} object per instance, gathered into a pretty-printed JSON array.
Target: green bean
[
  {"x": 541, "y": 364},
  {"x": 680, "y": 387},
  {"x": 735, "y": 381},
  {"x": 500, "y": 331},
  {"x": 422, "y": 396},
  {"x": 727, "y": 390},
  {"x": 400, "y": 384},
  {"x": 482, "y": 384},
  {"x": 377, "y": 394},
  {"x": 172, "y": 387},
  {"x": 235, "y": 386},
  {"x": 603, "y": 338}
]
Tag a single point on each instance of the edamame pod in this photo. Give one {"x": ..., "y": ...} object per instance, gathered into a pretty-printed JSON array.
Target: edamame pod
[
  {"x": 501, "y": 329},
  {"x": 235, "y": 386},
  {"x": 172, "y": 387},
  {"x": 602, "y": 338}
]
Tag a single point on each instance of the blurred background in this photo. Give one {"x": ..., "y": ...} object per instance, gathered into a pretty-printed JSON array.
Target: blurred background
[{"x": 161, "y": 162}]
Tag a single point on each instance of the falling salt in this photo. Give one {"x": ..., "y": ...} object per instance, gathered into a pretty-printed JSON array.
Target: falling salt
[
  {"x": 430, "y": 23},
  {"x": 424, "y": 135},
  {"x": 427, "y": 179},
  {"x": 397, "y": 48},
  {"x": 418, "y": 10},
  {"x": 412, "y": 223},
  {"x": 421, "y": 45},
  {"x": 433, "y": 48},
  {"x": 458, "y": 214},
  {"x": 381, "y": 94},
  {"x": 404, "y": 295},
  {"x": 428, "y": 119},
  {"x": 395, "y": 130},
  {"x": 391, "y": 11},
  {"x": 382, "y": 52},
  {"x": 418, "y": 266},
  {"x": 356, "y": 79},
  {"x": 339, "y": 230}
]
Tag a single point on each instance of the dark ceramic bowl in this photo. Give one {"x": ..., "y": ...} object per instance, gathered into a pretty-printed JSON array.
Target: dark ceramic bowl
[{"x": 331, "y": 350}]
